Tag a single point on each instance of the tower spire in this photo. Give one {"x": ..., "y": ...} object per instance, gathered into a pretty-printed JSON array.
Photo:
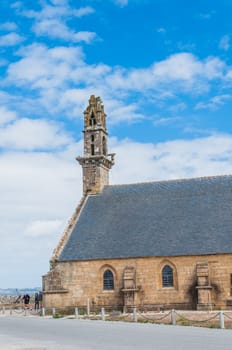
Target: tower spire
[{"x": 96, "y": 161}]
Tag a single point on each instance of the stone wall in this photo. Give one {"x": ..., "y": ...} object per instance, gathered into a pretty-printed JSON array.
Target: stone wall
[{"x": 71, "y": 283}]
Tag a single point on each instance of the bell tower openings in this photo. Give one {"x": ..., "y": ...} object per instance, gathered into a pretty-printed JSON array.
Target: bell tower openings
[{"x": 96, "y": 162}]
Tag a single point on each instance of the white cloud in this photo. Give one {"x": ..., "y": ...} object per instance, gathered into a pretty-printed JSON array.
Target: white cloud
[
  {"x": 39, "y": 228},
  {"x": 54, "y": 28},
  {"x": 51, "y": 22},
  {"x": 40, "y": 64},
  {"x": 10, "y": 39},
  {"x": 229, "y": 75},
  {"x": 36, "y": 189},
  {"x": 75, "y": 101},
  {"x": 51, "y": 27},
  {"x": 119, "y": 112},
  {"x": 47, "y": 12},
  {"x": 29, "y": 134},
  {"x": 87, "y": 37},
  {"x": 214, "y": 103},
  {"x": 224, "y": 43},
  {"x": 178, "y": 107},
  {"x": 6, "y": 115},
  {"x": 166, "y": 121},
  {"x": 54, "y": 73},
  {"x": 11, "y": 26},
  {"x": 177, "y": 67},
  {"x": 183, "y": 69},
  {"x": 171, "y": 160},
  {"x": 91, "y": 74},
  {"x": 185, "y": 66},
  {"x": 61, "y": 75},
  {"x": 83, "y": 11}
]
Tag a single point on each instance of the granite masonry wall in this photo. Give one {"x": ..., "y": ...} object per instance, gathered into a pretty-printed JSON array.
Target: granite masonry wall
[{"x": 71, "y": 283}]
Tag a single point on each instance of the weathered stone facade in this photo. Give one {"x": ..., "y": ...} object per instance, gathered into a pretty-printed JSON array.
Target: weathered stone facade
[
  {"x": 71, "y": 283},
  {"x": 96, "y": 161},
  {"x": 193, "y": 280}
]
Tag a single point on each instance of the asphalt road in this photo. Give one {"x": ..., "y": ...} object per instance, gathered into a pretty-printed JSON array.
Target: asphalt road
[{"x": 37, "y": 333}]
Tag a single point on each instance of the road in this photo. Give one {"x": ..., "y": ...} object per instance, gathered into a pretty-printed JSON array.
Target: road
[{"x": 37, "y": 333}]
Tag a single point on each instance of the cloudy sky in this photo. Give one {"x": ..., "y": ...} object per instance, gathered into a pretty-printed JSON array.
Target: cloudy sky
[{"x": 163, "y": 69}]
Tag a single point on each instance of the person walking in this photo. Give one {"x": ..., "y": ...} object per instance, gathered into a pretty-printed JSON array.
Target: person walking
[
  {"x": 36, "y": 302},
  {"x": 26, "y": 300},
  {"x": 40, "y": 299}
]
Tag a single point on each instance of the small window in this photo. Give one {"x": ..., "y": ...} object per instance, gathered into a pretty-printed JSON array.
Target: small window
[
  {"x": 92, "y": 138},
  {"x": 108, "y": 280},
  {"x": 167, "y": 276},
  {"x": 92, "y": 149},
  {"x": 92, "y": 120}
]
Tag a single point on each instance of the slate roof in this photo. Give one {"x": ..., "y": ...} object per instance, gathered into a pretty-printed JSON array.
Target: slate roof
[{"x": 166, "y": 218}]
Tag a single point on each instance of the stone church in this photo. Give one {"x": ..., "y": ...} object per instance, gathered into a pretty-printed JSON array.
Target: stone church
[{"x": 163, "y": 243}]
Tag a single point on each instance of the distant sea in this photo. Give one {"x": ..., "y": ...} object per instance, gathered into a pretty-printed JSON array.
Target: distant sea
[{"x": 19, "y": 291}]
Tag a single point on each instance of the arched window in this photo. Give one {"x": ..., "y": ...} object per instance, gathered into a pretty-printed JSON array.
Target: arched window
[
  {"x": 108, "y": 280},
  {"x": 92, "y": 149},
  {"x": 167, "y": 276},
  {"x": 92, "y": 120}
]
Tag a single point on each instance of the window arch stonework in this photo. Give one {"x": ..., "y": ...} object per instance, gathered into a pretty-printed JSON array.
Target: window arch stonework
[
  {"x": 105, "y": 278},
  {"x": 168, "y": 278}
]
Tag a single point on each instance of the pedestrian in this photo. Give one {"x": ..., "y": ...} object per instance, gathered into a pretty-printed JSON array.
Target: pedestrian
[
  {"x": 36, "y": 302},
  {"x": 40, "y": 299},
  {"x": 26, "y": 300}
]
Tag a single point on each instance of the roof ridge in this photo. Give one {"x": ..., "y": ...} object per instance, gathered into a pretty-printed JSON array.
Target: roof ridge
[{"x": 172, "y": 180}]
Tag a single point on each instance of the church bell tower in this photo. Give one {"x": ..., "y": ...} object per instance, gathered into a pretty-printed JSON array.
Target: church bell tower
[{"x": 96, "y": 161}]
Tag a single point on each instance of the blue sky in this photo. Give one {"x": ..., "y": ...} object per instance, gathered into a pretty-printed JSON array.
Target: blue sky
[{"x": 163, "y": 69}]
